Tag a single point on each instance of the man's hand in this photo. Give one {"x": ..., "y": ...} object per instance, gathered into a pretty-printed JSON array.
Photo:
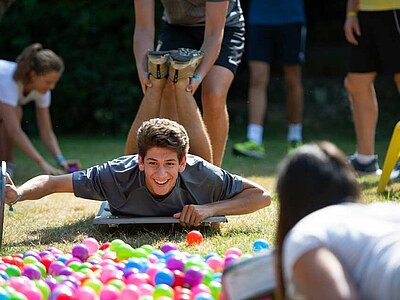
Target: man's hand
[
  {"x": 351, "y": 29},
  {"x": 11, "y": 190},
  {"x": 193, "y": 215}
]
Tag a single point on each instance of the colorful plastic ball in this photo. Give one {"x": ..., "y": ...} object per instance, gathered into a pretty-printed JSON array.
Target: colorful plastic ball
[
  {"x": 138, "y": 278},
  {"x": 230, "y": 258},
  {"x": 193, "y": 276},
  {"x": 129, "y": 292},
  {"x": 204, "y": 296},
  {"x": 43, "y": 288},
  {"x": 216, "y": 263},
  {"x": 85, "y": 293},
  {"x": 124, "y": 252},
  {"x": 115, "y": 244},
  {"x": 46, "y": 260},
  {"x": 147, "y": 248},
  {"x": 13, "y": 271},
  {"x": 176, "y": 263},
  {"x": 118, "y": 283},
  {"x": 164, "y": 276},
  {"x": 32, "y": 272},
  {"x": 109, "y": 292},
  {"x": 80, "y": 251},
  {"x": 93, "y": 283},
  {"x": 178, "y": 278},
  {"x": 215, "y": 288},
  {"x": 233, "y": 250},
  {"x": 194, "y": 237},
  {"x": 260, "y": 245},
  {"x": 32, "y": 292},
  {"x": 62, "y": 292},
  {"x": 33, "y": 253},
  {"x": 55, "y": 268},
  {"x": 168, "y": 247},
  {"x": 91, "y": 244},
  {"x": 30, "y": 259},
  {"x": 104, "y": 246},
  {"x": 200, "y": 288},
  {"x": 146, "y": 289},
  {"x": 163, "y": 290},
  {"x": 3, "y": 294}
]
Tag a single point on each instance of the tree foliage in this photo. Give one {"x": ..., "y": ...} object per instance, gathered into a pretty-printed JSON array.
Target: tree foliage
[{"x": 99, "y": 90}]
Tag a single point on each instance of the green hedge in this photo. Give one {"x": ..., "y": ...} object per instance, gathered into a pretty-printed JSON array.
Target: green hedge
[{"x": 99, "y": 91}]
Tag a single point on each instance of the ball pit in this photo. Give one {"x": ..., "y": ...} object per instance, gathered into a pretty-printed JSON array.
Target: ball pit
[{"x": 115, "y": 270}]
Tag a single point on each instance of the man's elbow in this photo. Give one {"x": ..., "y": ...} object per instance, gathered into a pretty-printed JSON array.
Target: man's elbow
[{"x": 266, "y": 200}]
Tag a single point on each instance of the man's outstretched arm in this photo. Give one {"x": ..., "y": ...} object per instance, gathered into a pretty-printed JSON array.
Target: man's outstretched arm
[
  {"x": 38, "y": 187},
  {"x": 253, "y": 197}
]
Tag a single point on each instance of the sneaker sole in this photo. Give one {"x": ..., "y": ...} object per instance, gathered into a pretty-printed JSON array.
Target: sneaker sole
[
  {"x": 157, "y": 64},
  {"x": 377, "y": 172},
  {"x": 249, "y": 154},
  {"x": 183, "y": 66}
]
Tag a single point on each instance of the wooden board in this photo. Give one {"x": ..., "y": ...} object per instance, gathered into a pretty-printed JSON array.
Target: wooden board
[{"x": 104, "y": 216}]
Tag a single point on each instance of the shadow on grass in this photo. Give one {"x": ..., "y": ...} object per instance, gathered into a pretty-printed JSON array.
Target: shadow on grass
[{"x": 135, "y": 234}]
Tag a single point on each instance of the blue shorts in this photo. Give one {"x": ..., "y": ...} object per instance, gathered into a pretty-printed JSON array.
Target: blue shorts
[
  {"x": 175, "y": 36},
  {"x": 283, "y": 44},
  {"x": 378, "y": 48}
]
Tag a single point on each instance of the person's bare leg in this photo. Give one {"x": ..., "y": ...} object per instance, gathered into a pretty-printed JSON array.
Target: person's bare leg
[
  {"x": 215, "y": 114},
  {"x": 360, "y": 87},
  {"x": 168, "y": 107},
  {"x": 294, "y": 93},
  {"x": 258, "y": 100},
  {"x": 190, "y": 117},
  {"x": 149, "y": 108}
]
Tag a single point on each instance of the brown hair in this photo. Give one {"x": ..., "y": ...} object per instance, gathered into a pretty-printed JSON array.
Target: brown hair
[
  {"x": 35, "y": 58},
  {"x": 315, "y": 176},
  {"x": 162, "y": 133}
]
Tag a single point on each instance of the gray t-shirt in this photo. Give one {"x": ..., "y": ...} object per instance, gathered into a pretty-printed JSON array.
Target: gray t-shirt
[
  {"x": 122, "y": 184},
  {"x": 192, "y": 12}
]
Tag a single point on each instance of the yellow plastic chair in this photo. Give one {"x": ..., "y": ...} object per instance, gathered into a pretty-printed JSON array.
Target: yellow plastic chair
[{"x": 392, "y": 155}]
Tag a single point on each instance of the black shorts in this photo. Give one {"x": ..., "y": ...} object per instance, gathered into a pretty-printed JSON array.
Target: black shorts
[
  {"x": 283, "y": 44},
  {"x": 378, "y": 48},
  {"x": 174, "y": 36}
]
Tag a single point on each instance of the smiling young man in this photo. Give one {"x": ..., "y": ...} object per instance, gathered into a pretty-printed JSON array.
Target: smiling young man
[{"x": 161, "y": 180}]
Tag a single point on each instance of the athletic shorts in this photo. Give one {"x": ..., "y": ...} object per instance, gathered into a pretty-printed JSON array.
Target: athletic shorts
[
  {"x": 174, "y": 36},
  {"x": 378, "y": 48},
  {"x": 283, "y": 44}
]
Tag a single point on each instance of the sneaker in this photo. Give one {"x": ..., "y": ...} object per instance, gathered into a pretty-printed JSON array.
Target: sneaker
[
  {"x": 395, "y": 175},
  {"x": 250, "y": 149},
  {"x": 158, "y": 64},
  {"x": 371, "y": 168},
  {"x": 183, "y": 63},
  {"x": 293, "y": 145}
]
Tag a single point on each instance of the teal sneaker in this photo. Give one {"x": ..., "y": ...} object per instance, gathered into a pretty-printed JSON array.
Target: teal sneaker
[
  {"x": 249, "y": 149},
  {"x": 293, "y": 145}
]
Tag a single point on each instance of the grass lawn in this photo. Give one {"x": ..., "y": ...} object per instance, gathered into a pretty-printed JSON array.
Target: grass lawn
[{"x": 62, "y": 220}]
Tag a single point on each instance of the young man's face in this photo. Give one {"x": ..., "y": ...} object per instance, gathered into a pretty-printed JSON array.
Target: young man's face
[{"x": 161, "y": 167}]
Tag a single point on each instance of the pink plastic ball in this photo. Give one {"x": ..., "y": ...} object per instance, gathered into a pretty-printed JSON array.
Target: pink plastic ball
[
  {"x": 32, "y": 292},
  {"x": 146, "y": 289},
  {"x": 233, "y": 250},
  {"x": 216, "y": 263},
  {"x": 85, "y": 293},
  {"x": 130, "y": 292},
  {"x": 109, "y": 292},
  {"x": 92, "y": 244},
  {"x": 201, "y": 288}
]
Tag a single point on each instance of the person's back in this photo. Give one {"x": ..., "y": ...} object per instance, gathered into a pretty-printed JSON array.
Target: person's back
[{"x": 365, "y": 238}]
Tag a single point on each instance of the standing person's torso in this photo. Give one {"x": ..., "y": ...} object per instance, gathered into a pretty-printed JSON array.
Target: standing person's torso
[
  {"x": 379, "y": 5},
  {"x": 192, "y": 12},
  {"x": 11, "y": 91},
  {"x": 276, "y": 12}
]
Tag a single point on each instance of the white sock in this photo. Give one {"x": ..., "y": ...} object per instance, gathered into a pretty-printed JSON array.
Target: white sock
[
  {"x": 295, "y": 132},
  {"x": 255, "y": 133},
  {"x": 364, "y": 159}
]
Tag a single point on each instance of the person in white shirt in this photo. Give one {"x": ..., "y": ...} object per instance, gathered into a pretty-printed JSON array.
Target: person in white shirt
[
  {"x": 31, "y": 78},
  {"x": 329, "y": 244}
]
